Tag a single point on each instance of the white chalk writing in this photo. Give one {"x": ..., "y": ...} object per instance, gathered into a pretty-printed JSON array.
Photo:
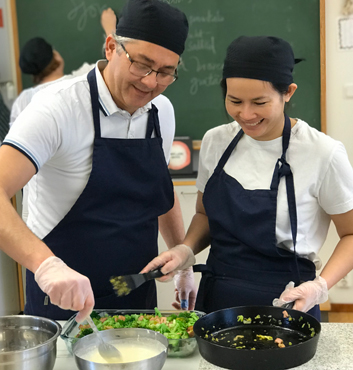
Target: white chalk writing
[
  {"x": 201, "y": 44},
  {"x": 173, "y": 2},
  {"x": 209, "y": 18},
  {"x": 81, "y": 11},
  {"x": 202, "y": 67},
  {"x": 210, "y": 80}
]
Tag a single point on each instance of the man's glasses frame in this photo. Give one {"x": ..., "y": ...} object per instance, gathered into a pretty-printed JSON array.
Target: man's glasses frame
[{"x": 142, "y": 70}]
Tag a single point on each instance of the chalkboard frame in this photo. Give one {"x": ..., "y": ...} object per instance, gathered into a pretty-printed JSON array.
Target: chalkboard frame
[{"x": 323, "y": 125}]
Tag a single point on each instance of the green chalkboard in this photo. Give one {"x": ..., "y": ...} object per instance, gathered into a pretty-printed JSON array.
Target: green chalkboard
[{"x": 73, "y": 28}]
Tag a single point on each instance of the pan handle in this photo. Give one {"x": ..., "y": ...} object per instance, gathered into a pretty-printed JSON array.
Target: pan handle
[{"x": 288, "y": 305}]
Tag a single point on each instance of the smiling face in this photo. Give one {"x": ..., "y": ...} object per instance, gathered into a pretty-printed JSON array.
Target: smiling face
[
  {"x": 257, "y": 107},
  {"x": 130, "y": 92}
]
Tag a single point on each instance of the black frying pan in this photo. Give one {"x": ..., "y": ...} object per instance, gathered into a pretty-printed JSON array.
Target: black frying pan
[{"x": 227, "y": 341}]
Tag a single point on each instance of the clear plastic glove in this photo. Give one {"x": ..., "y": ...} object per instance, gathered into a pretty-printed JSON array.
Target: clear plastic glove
[
  {"x": 65, "y": 287},
  {"x": 305, "y": 296},
  {"x": 179, "y": 257},
  {"x": 185, "y": 290}
]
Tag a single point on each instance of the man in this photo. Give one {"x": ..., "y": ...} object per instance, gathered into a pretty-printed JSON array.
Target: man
[{"x": 101, "y": 184}]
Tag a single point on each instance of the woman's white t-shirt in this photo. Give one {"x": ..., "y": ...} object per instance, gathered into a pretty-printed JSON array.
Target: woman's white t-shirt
[{"x": 323, "y": 178}]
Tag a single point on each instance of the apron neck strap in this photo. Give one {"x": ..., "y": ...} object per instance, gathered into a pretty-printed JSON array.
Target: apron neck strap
[
  {"x": 229, "y": 151},
  {"x": 92, "y": 81},
  {"x": 153, "y": 120},
  {"x": 282, "y": 169},
  {"x": 153, "y": 123}
]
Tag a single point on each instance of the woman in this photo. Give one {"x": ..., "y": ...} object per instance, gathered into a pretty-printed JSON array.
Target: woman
[{"x": 269, "y": 185}]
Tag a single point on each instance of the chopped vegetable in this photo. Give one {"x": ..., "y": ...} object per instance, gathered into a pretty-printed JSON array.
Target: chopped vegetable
[
  {"x": 264, "y": 337},
  {"x": 173, "y": 326},
  {"x": 120, "y": 285}
]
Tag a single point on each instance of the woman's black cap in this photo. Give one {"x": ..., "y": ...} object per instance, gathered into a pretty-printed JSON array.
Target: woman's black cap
[
  {"x": 156, "y": 22},
  {"x": 35, "y": 55},
  {"x": 264, "y": 58}
]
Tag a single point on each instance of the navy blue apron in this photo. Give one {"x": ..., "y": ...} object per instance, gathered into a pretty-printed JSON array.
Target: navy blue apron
[
  {"x": 112, "y": 228},
  {"x": 245, "y": 266}
]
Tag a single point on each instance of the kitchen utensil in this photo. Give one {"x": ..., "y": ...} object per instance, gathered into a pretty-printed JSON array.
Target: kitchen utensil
[
  {"x": 288, "y": 305},
  {"x": 124, "y": 284},
  {"x": 176, "y": 348},
  {"x": 28, "y": 342},
  {"x": 106, "y": 350},
  {"x": 112, "y": 335},
  {"x": 216, "y": 333}
]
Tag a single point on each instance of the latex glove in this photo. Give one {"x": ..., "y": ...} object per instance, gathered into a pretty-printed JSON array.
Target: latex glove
[
  {"x": 179, "y": 257},
  {"x": 185, "y": 290},
  {"x": 306, "y": 295},
  {"x": 65, "y": 287}
]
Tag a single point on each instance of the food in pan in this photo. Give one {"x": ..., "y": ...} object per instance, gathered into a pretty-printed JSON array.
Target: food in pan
[{"x": 261, "y": 334}]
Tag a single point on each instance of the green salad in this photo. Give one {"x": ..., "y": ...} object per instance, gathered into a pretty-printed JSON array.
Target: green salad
[{"x": 174, "y": 326}]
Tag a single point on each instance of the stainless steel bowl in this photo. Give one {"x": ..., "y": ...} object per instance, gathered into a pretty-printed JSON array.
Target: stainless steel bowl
[
  {"x": 28, "y": 342},
  {"x": 90, "y": 341}
]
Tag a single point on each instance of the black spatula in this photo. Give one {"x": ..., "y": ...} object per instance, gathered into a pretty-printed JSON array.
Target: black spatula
[{"x": 124, "y": 284}]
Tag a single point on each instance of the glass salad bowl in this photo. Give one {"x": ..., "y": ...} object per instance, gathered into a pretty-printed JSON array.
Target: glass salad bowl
[{"x": 168, "y": 323}]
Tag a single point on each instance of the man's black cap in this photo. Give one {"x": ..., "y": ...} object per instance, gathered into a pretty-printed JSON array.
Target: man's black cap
[
  {"x": 156, "y": 22},
  {"x": 35, "y": 55}
]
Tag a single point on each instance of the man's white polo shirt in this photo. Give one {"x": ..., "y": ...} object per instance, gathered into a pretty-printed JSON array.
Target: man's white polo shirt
[{"x": 55, "y": 131}]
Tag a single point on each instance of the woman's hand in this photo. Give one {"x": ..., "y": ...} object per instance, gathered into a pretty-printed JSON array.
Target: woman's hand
[
  {"x": 65, "y": 287},
  {"x": 179, "y": 257},
  {"x": 305, "y": 296},
  {"x": 185, "y": 290}
]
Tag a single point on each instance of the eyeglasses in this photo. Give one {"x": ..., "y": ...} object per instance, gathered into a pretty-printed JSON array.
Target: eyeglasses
[{"x": 142, "y": 70}]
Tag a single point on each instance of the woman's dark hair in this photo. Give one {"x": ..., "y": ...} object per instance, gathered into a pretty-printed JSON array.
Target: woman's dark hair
[
  {"x": 50, "y": 68},
  {"x": 280, "y": 88}
]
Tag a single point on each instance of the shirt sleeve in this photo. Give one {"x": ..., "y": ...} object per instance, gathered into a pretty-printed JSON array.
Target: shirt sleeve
[
  {"x": 20, "y": 104},
  {"x": 336, "y": 190},
  {"x": 203, "y": 173},
  {"x": 36, "y": 133},
  {"x": 85, "y": 68}
]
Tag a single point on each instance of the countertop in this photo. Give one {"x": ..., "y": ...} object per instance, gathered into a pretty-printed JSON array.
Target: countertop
[{"x": 334, "y": 352}]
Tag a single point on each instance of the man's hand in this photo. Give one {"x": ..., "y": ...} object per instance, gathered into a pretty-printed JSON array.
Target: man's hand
[
  {"x": 185, "y": 290},
  {"x": 65, "y": 287}
]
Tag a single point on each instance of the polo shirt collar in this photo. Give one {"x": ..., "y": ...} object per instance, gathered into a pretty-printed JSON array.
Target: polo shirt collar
[{"x": 106, "y": 101}]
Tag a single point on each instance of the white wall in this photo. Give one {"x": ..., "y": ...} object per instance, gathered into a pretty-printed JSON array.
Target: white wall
[
  {"x": 8, "y": 80},
  {"x": 9, "y": 296},
  {"x": 339, "y": 117}
]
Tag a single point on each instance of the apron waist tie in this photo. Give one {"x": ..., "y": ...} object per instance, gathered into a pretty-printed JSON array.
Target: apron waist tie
[{"x": 220, "y": 269}]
